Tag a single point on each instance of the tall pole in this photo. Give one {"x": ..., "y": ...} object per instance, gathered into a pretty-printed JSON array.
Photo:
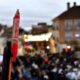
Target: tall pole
[
  {"x": 14, "y": 41},
  {"x": 10, "y": 69}
]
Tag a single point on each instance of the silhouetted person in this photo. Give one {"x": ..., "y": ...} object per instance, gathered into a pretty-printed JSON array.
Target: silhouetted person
[{"x": 6, "y": 60}]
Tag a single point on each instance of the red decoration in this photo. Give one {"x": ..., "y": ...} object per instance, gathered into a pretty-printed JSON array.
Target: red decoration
[{"x": 15, "y": 35}]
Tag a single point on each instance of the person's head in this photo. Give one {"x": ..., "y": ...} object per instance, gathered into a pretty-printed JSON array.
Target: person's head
[{"x": 8, "y": 43}]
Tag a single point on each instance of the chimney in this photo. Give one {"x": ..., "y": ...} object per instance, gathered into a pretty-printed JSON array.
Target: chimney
[
  {"x": 74, "y": 4},
  {"x": 68, "y": 5}
]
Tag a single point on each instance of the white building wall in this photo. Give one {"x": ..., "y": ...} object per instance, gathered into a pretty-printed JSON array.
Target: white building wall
[{"x": 2, "y": 44}]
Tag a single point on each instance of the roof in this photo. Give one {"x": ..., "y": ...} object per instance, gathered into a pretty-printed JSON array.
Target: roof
[{"x": 71, "y": 13}]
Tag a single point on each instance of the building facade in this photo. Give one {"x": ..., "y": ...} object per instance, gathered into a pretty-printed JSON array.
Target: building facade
[{"x": 68, "y": 24}]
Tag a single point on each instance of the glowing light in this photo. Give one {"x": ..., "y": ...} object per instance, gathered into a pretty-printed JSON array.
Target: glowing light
[
  {"x": 77, "y": 35},
  {"x": 68, "y": 47},
  {"x": 48, "y": 47}
]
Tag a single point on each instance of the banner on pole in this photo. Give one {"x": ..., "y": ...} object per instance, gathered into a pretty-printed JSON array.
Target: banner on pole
[{"x": 15, "y": 35}]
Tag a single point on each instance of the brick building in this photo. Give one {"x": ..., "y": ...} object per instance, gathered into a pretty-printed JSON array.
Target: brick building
[
  {"x": 68, "y": 24},
  {"x": 40, "y": 28}
]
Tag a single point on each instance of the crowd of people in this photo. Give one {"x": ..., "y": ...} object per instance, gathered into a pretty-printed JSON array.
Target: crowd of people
[{"x": 46, "y": 66}]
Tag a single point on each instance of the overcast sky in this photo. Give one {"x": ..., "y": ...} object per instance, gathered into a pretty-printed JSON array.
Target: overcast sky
[{"x": 32, "y": 11}]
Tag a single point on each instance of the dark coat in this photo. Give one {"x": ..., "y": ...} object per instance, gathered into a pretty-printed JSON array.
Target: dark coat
[{"x": 6, "y": 60}]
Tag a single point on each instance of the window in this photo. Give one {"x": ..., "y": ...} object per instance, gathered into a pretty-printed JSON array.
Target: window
[
  {"x": 68, "y": 24},
  {"x": 68, "y": 36},
  {"x": 77, "y": 23},
  {"x": 56, "y": 24}
]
